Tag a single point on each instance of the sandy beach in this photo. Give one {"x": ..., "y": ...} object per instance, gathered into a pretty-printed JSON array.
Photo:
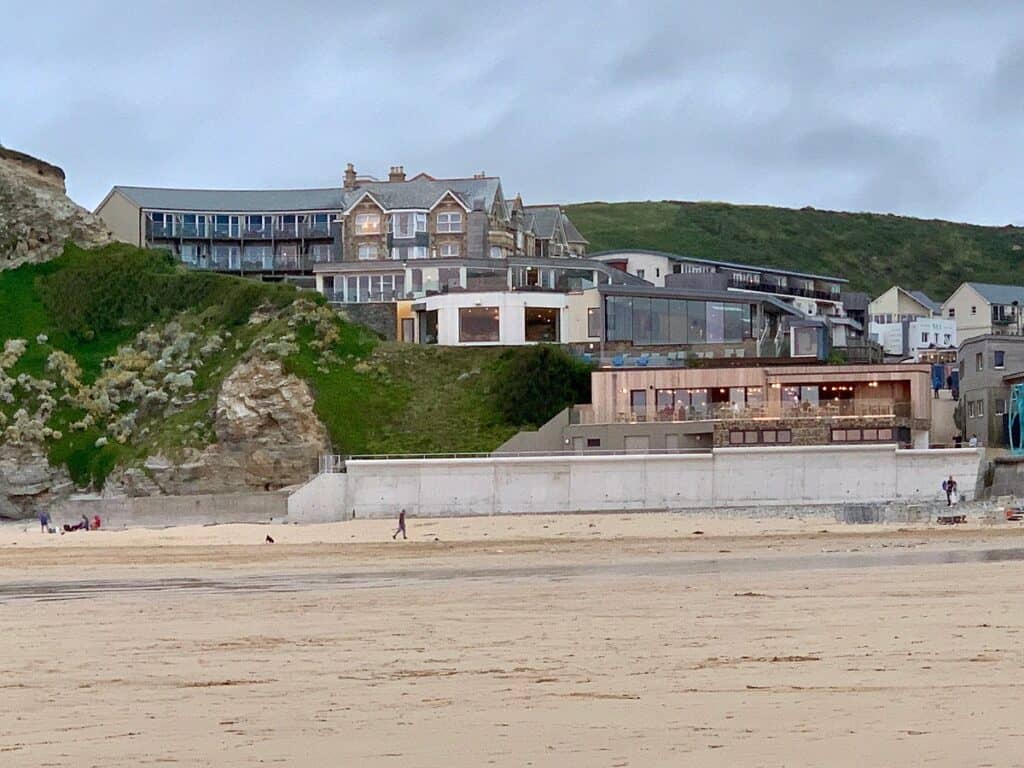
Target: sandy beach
[{"x": 592, "y": 640}]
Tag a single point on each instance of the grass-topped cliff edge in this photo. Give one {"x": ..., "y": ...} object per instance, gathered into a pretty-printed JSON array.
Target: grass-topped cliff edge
[{"x": 111, "y": 355}]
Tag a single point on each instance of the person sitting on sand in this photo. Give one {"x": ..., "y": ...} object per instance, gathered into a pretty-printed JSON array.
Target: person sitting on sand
[{"x": 96, "y": 522}]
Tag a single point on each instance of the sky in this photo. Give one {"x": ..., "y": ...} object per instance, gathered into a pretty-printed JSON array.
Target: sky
[{"x": 914, "y": 108}]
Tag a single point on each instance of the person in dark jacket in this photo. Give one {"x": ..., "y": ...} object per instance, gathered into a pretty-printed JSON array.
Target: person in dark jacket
[{"x": 401, "y": 526}]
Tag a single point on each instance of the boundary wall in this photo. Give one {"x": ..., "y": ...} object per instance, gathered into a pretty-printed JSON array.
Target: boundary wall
[{"x": 768, "y": 480}]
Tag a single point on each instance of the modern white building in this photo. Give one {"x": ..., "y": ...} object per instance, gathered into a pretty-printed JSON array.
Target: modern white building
[{"x": 907, "y": 322}]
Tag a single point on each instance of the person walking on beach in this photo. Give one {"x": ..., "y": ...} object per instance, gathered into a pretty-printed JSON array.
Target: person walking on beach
[
  {"x": 44, "y": 521},
  {"x": 949, "y": 486},
  {"x": 401, "y": 526}
]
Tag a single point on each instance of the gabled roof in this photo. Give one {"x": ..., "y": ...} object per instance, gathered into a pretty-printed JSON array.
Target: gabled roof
[
  {"x": 572, "y": 234},
  {"x": 424, "y": 192},
  {"x": 617, "y": 254},
  {"x": 926, "y": 300},
  {"x": 235, "y": 200},
  {"x": 999, "y": 294},
  {"x": 546, "y": 219},
  {"x": 927, "y": 308}
]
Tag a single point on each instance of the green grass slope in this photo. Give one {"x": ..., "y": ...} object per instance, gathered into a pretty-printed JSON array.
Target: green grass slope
[
  {"x": 101, "y": 308},
  {"x": 873, "y": 251}
]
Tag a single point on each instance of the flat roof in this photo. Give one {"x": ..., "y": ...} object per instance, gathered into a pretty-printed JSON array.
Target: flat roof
[
  {"x": 656, "y": 292},
  {"x": 729, "y": 264}
]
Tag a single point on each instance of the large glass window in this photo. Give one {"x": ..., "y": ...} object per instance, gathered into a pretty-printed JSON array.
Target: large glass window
[
  {"x": 620, "y": 318},
  {"x": 367, "y": 252},
  {"x": 716, "y": 322},
  {"x": 449, "y": 250},
  {"x": 225, "y": 226},
  {"x": 449, "y": 278},
  {"x": 641, "y": 320},
  {"x": 805, "y": 341},
  {"x": 193, "y": 225},
  {"x": 479, "y": 324},
  {"x": 660, "y": 321},
  {"x": 696, "y": 312},
  {"x": 449, "y": 222},
  {"x": 541, "y": 323},
  {"x": 734, "y": 321},
  {"x": 594, "y": 322},
  {"x": 367, "y": 224},
  {"x": 677, "y": 322}
]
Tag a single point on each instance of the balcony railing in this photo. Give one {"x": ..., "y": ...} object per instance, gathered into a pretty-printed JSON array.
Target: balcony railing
[
  {"x": 236, "y": 232},
  {"x": 786, "y": 290},
  {"x": 242, "y": 263},
  {"x": 842, "y": 409}
]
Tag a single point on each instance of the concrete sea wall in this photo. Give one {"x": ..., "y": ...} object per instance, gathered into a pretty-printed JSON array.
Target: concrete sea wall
[{"x": 726, "y": 479}]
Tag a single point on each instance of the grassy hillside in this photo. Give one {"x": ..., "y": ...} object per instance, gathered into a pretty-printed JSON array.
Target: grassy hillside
[
  {"x": 113, "y": 355},
  {"x": 874, "y": 251}
]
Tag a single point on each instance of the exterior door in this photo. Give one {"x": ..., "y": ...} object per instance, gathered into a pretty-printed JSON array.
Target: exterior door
[
  {"x": 579, "y": 444},
  {"x": 408, "y": 330}
]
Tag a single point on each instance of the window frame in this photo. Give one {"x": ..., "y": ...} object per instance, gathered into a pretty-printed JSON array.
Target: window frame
[
  {"x": 359, "y": 224},
  {"x": 449, "y": 222},
  {"x": 370, "y": 248}
]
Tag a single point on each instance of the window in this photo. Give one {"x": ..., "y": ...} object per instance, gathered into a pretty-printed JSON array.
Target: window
[
  {"x": 367, "y": 224},
  {"x": 640, "y": 274},
  {"x": 193, "y": 225},
  {"x": 320, "y": 253},
  {"x": 998, "y": 359},
  {"x": 805, "y": 341},
  {"x": 256, "y": 225},
  {"x": 951, "y": 312},
  {"x": 226, "y": 226},
  {"x": 657, "y": 272},
  {"x": 449, "y": 222},
  {"x": 449, "y": 250},
  {"x": 594, "y": 322},
  {"x": 638, "y": 404},
  {"x": 479, "y": 324},
  {"x": 974, "y": 310},
  {"x": 924, "y": 338},
  {"x": 979, "y": 362},
  {"x": 1000, "y": 406},
  {"x": 760, "y": 437},
  {"x": 979, "y": 408},
  {"x": 540, "y": 324},
  {"x": 946, "y": 338},
  {"x": 970, "y": 409},
  {"x": 593, "y": 442},
  {"x": 367, "y": 252},
  {"x": 404, "y": 225},
  {"x": 496, "y": 253}
]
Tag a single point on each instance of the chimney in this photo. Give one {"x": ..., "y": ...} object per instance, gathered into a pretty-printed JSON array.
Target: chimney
[
  {"x": 397, "y": 173},
  {"x": 477, "y": 226},
  {"x": 350, "y": 176},
  {"x": 480, "y": 175}
]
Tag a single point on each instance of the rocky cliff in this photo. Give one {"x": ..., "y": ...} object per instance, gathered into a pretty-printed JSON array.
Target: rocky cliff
[{"x": 36, "y": 216}]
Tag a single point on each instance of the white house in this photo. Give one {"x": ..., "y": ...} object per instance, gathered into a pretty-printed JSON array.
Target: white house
[
  {"x": 493, "y": 318},
  {"x": 906, "y": 322}
]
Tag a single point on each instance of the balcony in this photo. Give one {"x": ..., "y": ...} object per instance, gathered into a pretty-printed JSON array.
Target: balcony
[
  {"x": 768, "y": 287},
  {"x": 882, "y": 410},
  {"x": 179, "y": 231}
]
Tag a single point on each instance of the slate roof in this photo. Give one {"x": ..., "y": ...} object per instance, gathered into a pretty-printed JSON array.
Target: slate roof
[
  {"x": 423, "y": 193},
  {"x": 572, "y": 234},
  {"x": 545, "y": 218},
  {"x": 1000, "y": 294},
  {"x": 926, "y": 300},
  {"x": 235, "y": 200}
]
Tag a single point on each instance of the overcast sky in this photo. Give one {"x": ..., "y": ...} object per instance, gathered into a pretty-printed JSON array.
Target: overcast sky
[{"x": 905, "y": 107}]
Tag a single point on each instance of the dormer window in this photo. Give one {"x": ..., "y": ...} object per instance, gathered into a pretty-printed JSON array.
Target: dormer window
[
  {"x": 449, "y": 222},
  {"x": 367, "y": 224}
]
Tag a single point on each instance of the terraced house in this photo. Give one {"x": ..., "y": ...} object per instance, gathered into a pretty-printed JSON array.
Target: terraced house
[{"x": 359, "y": 236}]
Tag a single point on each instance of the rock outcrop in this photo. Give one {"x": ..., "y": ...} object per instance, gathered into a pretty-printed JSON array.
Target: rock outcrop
[
  {"x": 28, "y": 484},
  {"x": 36, "y": 216},
  {"x": 268, "y": 437}
]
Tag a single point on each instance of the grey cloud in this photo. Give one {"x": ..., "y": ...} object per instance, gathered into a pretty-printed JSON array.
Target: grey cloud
[{"x": 912, "y": 107}]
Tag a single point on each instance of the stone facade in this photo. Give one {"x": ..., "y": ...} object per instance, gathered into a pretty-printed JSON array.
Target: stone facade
[
  {"x": 805, "y": 431},
  {"x": 377, "y": 316}
]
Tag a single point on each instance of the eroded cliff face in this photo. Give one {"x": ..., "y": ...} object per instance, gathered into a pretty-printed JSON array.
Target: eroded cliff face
[
  {"x": 36, "y": 216},
  {"x": 268, "y": 437}
]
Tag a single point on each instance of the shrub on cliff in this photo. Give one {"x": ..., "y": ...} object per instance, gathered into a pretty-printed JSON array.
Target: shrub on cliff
[
  {"x": 532, "y": 384},
  {"x": 119, "y": 286}
]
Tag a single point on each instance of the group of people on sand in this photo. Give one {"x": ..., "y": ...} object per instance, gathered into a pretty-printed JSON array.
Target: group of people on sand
[{"x": 85, "y": 524}]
